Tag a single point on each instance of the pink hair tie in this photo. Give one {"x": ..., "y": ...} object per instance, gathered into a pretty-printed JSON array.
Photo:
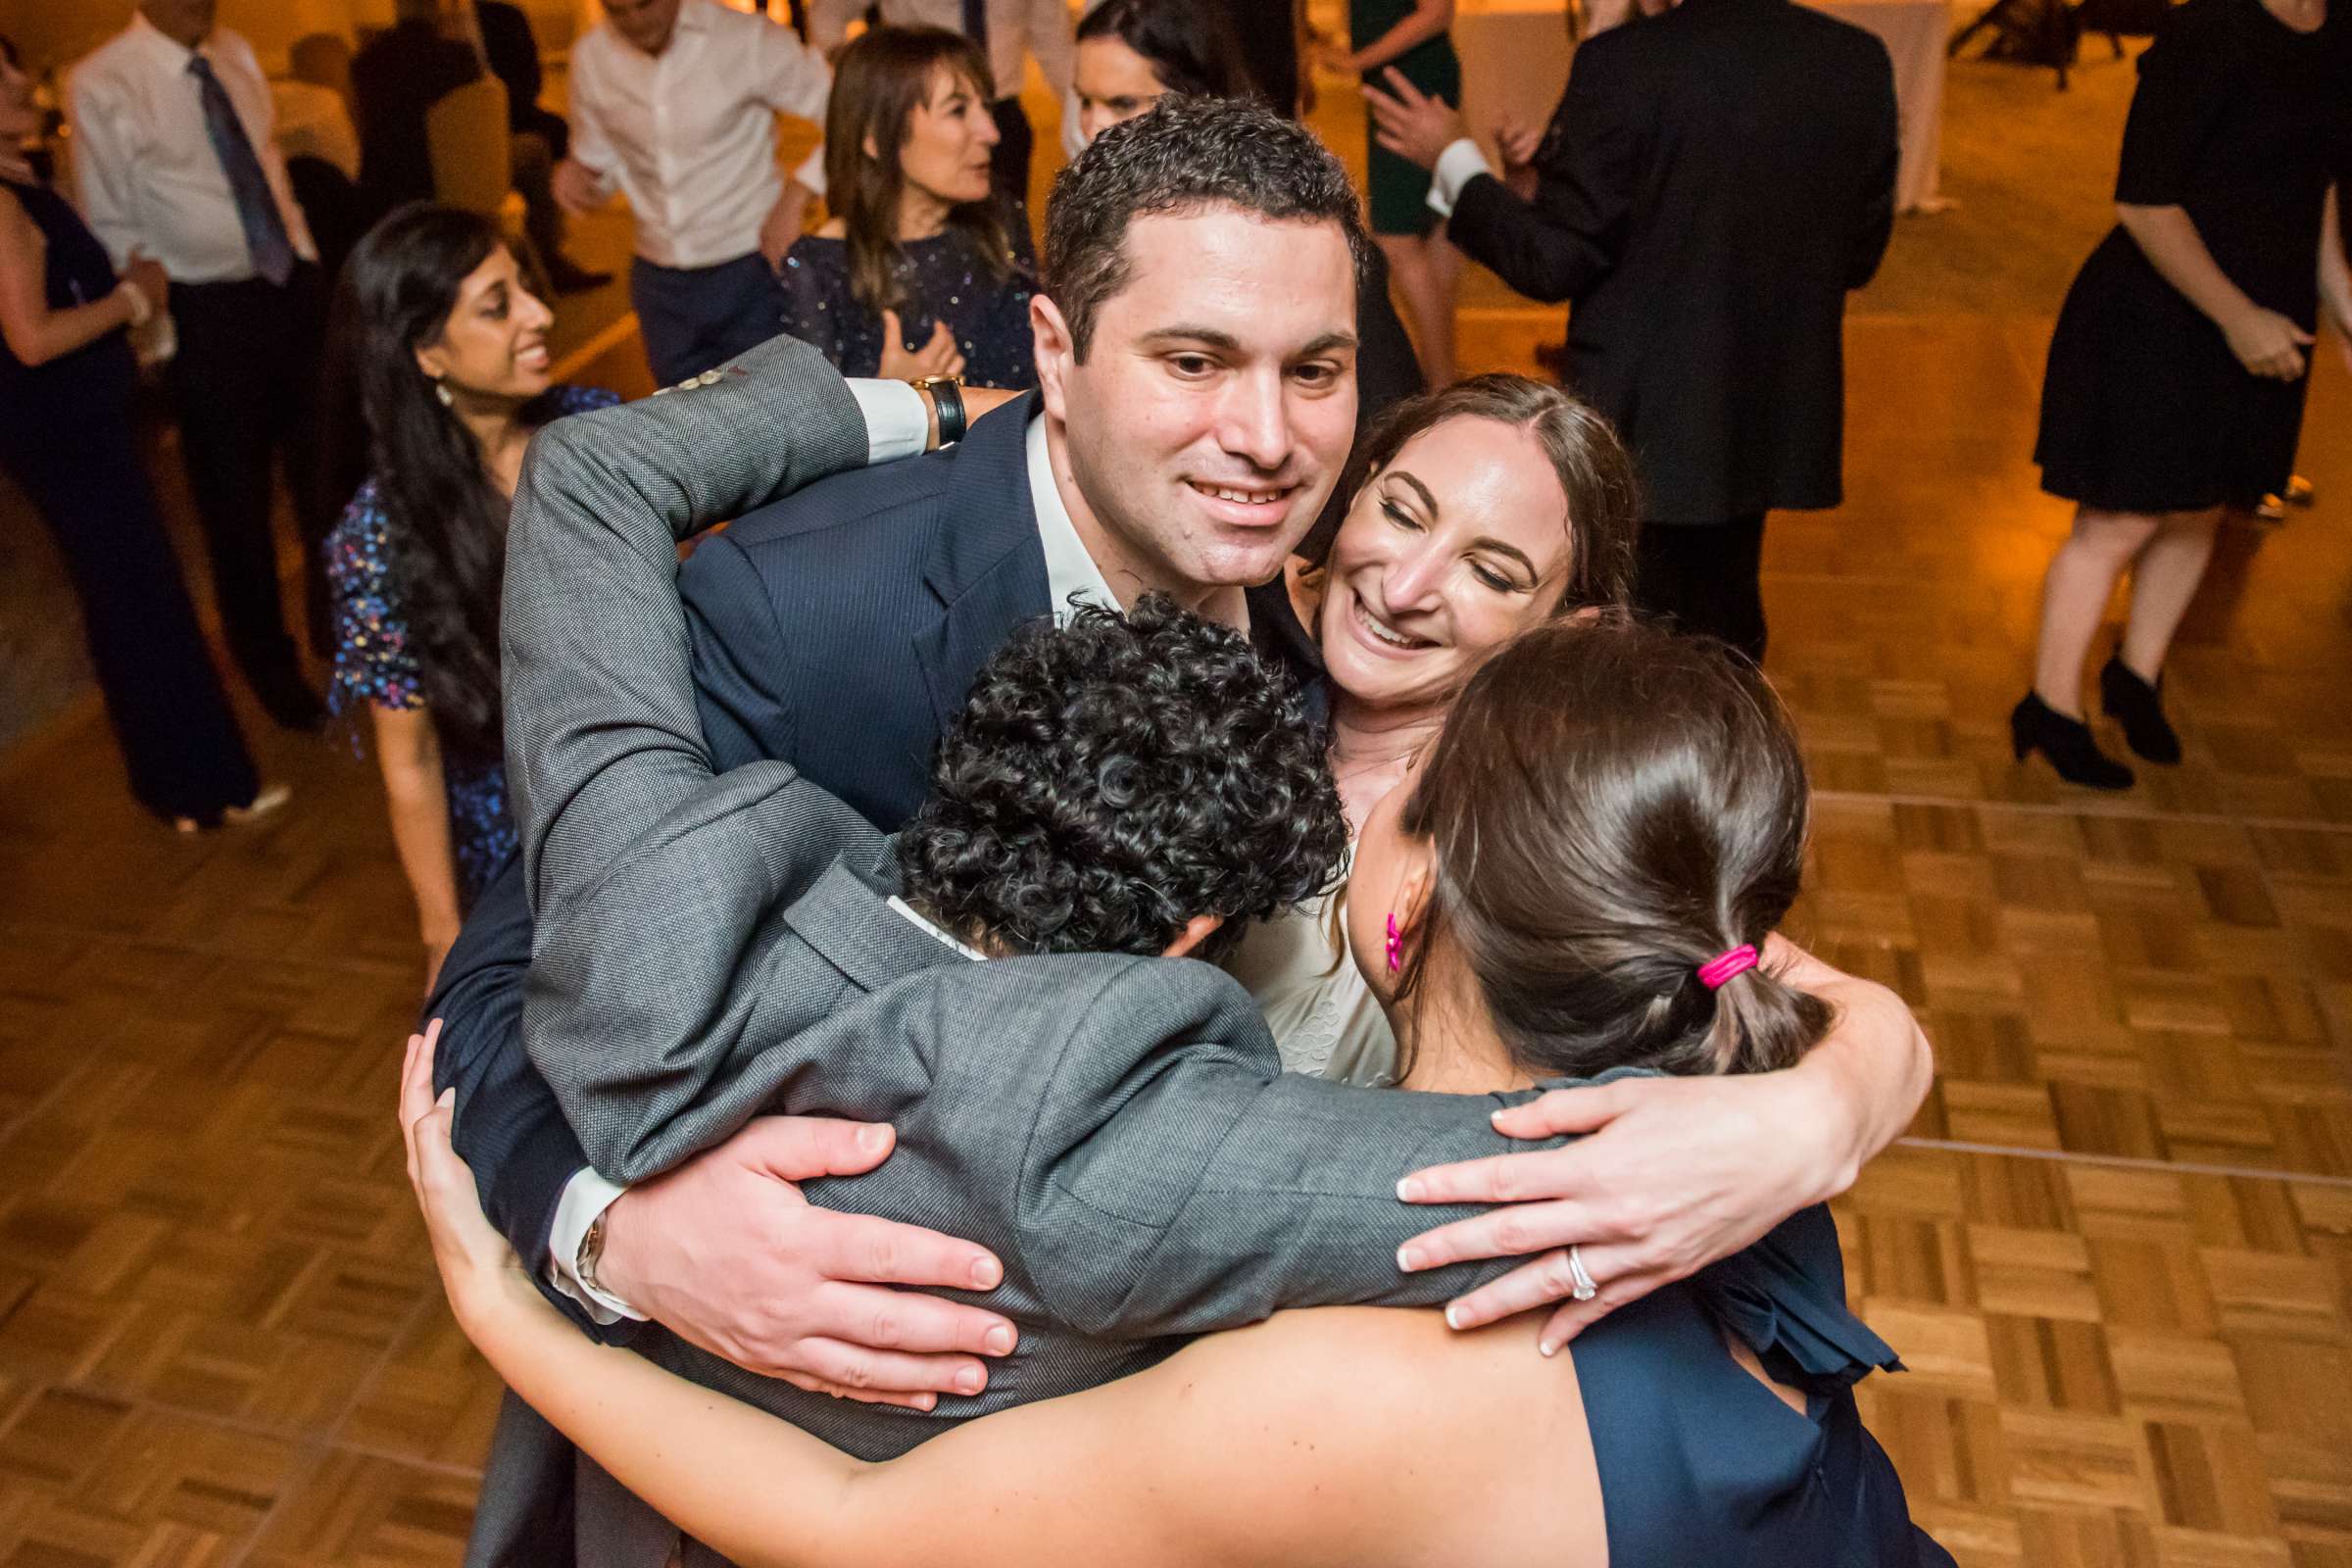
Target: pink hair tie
[{"x": 1728, "y": 966}]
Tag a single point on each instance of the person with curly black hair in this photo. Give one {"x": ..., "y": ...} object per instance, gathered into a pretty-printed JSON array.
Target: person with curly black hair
[{"x": 1123, "y": 784}]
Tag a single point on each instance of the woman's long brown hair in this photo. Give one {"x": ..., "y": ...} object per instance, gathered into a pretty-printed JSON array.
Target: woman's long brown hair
[{"x": 878, "y": 84}]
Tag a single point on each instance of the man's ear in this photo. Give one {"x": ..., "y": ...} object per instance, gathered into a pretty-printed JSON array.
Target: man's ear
[
  {"x": 1196, "y": 931},
  {"x": 1057, "y": 354}
]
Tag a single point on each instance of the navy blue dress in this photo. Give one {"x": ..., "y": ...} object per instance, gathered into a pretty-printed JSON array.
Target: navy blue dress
[
  {"x": 376, "y": 666},
  {"x": 67, "y": 438},
  {"x": 1702, "y": 1463},
  {"x": 943, "y": 278}
]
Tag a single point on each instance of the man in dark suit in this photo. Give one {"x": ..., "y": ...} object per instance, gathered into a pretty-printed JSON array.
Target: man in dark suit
[{"x": 1715, "y": 179}]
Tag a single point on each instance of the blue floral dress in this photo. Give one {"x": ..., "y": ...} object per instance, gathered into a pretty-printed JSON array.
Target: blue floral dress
[{"x": 375, "y": 666}]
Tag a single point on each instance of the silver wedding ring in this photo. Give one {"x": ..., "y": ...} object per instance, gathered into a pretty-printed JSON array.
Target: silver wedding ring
[{"x": 1581, "y": 1287}]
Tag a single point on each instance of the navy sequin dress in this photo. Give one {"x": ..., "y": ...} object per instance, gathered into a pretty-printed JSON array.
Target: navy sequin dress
[
  {"x": 374, "y": 666},
  {"x": 941, "y": 278}
]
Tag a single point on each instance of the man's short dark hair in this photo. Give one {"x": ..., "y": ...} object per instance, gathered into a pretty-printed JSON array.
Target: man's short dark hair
[
  {"x": 1186, "y": 155},
  {"x": 1111, "y": 779}
]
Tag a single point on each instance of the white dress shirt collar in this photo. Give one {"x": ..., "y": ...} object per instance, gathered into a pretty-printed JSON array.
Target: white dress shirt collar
[
  {"x": 1070, "y": 572},
  {"x": 934, "y": 930}
]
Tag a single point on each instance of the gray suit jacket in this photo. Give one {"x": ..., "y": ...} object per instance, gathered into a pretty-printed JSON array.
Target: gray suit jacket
[{"x": 709, "y": 946}]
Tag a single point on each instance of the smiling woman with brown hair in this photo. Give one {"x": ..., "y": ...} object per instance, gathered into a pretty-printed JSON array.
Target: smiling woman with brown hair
[
  {"x": 920, "y": 272},
  {"x": 445, "y": 348}
]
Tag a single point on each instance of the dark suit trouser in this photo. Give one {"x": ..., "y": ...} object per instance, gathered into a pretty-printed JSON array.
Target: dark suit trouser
[
  {"x": 696, "y": 318},
  {"x": 1008, "y": 164},
  {"x": 245, "y": 387},
  {"x": 1706, "y": 578}
]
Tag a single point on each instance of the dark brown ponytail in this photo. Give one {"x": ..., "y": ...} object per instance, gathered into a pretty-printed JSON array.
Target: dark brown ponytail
[{"x": 1612, "y": 807}]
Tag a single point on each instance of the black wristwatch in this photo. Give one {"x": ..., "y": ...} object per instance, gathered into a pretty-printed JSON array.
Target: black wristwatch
[{"x": 946, "y": 395}]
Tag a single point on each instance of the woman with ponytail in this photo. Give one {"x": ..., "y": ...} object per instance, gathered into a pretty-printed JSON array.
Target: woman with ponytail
[
  {"x": 1577, "y": 882},
  {"x": 443, "y": 349}
]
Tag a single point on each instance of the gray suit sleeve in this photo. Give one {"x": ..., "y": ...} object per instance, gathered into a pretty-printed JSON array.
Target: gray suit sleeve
[
  {"x": 602, "y": 734},
  {"x": 1177, "y": 1181},
  {"x": 646, "y": 871}
]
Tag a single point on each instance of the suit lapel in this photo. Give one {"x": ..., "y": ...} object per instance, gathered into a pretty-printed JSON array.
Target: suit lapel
[{"x": 986, "y": 567}]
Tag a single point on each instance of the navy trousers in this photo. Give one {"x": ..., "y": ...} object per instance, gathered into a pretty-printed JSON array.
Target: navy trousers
[{"x": 694, "y": 318}]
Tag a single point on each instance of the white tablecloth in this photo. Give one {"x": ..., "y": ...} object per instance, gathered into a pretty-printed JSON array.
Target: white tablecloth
[{"x": 1515, "y": 56}]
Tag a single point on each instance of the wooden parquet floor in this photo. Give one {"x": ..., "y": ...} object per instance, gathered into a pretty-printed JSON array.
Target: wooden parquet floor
[{"x": 2115, "y": 1253}]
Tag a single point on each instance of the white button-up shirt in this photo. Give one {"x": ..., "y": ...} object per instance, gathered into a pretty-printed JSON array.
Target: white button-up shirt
[
  {"x": 690, "y": 135},
  {"x": 144, "y": 169},
  {"x": 1015, "y": 28}
]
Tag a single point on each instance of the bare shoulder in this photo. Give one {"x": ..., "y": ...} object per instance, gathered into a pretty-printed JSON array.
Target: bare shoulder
[{"x": 1395, "y": 1419}]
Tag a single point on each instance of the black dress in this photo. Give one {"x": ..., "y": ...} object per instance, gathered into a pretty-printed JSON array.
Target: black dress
[
  {"x": 943, "y": 278},
  {"x": 2243, "y": 122},
  {"x": 65, "y": 436}
]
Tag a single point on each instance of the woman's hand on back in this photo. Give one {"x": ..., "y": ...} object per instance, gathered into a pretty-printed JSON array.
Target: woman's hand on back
[
  {"x": 1666, "y": 1175},
  {"x": 146, "y": 274},
  {"x": 1669, "y": 1174},
  {"x": 939, "y": 357}
]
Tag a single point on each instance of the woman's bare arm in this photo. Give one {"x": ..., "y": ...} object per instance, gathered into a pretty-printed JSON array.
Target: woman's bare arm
[
  {"x": 34, "y": 333},
  {"x": 1429, "y": 19},
  {"x": 408, "y": 751}
]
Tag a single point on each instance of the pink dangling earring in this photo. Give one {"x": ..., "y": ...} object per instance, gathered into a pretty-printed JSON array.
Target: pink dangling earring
[{"x": 1396, "y": 945}]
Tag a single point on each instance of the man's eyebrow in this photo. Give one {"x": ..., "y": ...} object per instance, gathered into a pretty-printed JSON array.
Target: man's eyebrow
[
  {"x": 1328, "y": 342},
  {"x": 1208, "y": 336}
]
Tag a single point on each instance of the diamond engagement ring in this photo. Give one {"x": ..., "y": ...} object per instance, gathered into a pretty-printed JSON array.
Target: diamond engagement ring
[{"x": 1582, "y": 1289}]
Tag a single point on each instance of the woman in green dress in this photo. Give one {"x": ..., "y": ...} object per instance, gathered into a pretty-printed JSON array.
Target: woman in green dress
[{"x": 1411, "y": 37}]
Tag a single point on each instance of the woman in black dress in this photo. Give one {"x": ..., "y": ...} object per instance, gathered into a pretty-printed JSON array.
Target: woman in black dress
[
  {"x": 66, "y": 377},
  {"x": 921, "y": 270},
  {"x": 2177, "y": 371}
]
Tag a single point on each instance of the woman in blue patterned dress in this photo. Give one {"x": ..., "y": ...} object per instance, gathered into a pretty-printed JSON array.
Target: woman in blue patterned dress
[
  {"x": 448, "y": 348},
  {"x": 921, "y": 270}
]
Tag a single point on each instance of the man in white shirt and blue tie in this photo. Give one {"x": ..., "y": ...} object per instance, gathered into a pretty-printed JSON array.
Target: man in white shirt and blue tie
[
  {"x": 675, "y": 103},
  {"x": 174, "y": 156}
]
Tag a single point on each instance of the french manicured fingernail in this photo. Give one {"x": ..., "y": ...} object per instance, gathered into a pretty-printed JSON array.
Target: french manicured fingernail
[
  {"x": 998, "y": 1341},
  {"x": 873, "y": 1138},
  {"x": 970, "y": 1380},
  {"x": 1549, "y": 1347},
  {"x": 988, "y": 1273},
  {"x": 1409, "y": 1189},
  {"x": 1408, "y": 1258},
  {"x": 1454, "y": 1317}
]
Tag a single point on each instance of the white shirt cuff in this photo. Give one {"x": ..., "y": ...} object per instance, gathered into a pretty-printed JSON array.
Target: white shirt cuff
[
  {"x": 897, "y": 423},
  {"x": 586, "y": 1195},
  {"x": 1457, "y": 166}
]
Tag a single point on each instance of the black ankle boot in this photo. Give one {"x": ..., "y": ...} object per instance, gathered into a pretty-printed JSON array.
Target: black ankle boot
[
  {"x": 2139, "y": 708},
  {"x": 2035, "y": 726}
]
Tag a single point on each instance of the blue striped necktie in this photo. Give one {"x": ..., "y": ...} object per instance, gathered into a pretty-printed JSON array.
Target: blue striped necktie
[{"x": 256, "y": 207}]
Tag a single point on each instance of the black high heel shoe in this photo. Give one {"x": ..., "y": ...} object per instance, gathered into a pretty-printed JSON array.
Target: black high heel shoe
[
  {"x": 2035, "y": 726},
  {"x": 2139, "y": 708}
]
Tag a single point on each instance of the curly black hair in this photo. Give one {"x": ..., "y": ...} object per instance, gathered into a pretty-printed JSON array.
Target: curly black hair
[{"x": 1111, "y": 778}]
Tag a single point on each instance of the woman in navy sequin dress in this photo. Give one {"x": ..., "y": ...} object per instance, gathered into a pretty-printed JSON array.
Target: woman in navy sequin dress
[
  {"x": 449, "y": 351},
  {"x": 921, "y": 272},
  {"x": 66, "y": 379}
]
